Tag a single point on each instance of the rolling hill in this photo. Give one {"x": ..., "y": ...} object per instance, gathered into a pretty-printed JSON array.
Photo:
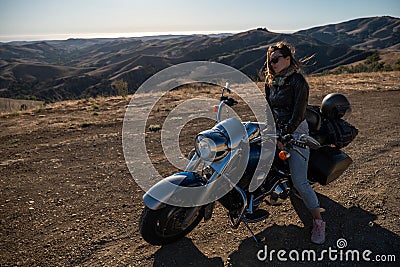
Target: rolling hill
[
  {"x": 365, "y": 33},
  {"x": 76, "y": 68}
]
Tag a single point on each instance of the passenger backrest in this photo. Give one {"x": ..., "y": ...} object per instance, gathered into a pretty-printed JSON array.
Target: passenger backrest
[{"x": 313, "y": 118}]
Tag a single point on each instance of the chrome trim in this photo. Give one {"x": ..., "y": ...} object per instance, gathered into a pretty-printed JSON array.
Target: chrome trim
[
  {"x": 252, "y": 129},
  {"x": 261, "y": 197},
  {"x": 223, "y": 164},
  {"x": 250, "y": 208},
  {"x": 234, "y": 130},
  {"x": 193, "y": 163},
  {"x": 220, "y": 106},
  {"x": 217, "y": 145}
]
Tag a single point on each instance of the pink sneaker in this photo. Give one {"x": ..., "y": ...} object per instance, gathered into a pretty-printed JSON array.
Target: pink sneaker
[{"x": 318, "y": 231}]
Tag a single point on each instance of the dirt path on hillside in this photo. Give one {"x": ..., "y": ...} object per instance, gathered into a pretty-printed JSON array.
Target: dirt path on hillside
[{"x": 67, "y": 197}]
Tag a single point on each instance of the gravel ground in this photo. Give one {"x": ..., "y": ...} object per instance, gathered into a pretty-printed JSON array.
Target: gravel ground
[{"x": 68, "y": 199}]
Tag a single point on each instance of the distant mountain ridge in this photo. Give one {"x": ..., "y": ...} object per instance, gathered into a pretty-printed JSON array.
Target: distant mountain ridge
[
  {"x": 364, "y": 33},
  {"x": 76, "y": 68}
]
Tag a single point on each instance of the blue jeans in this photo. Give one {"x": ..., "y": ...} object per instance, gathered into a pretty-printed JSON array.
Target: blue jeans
[{"x": 298, "y": 169}]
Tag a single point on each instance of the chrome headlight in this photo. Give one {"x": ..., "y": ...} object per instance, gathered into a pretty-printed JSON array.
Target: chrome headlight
[{"x": 211, "y": 145}]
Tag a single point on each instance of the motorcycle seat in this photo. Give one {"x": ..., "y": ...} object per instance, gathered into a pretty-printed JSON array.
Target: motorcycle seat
[{"x": 313, "y": 118}]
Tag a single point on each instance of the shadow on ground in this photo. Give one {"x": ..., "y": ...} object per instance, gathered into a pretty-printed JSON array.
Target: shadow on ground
[
  {"x": 183, "y": 253},
  {"x": 354, "y": 226}
]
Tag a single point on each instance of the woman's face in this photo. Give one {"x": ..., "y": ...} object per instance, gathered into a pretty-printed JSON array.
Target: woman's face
[{"x": 279, "y": 62}]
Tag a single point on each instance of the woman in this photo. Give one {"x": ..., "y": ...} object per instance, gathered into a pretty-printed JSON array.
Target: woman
[{"x": 287, "y": 95}]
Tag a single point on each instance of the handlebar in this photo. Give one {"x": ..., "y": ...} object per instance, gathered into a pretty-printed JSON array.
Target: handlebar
[
  {"x": 303, "y": 142},
  {"x": 228, "y": 101},
  {"x": 224, "y": 100},
  {"x": 288, "y": 140}
]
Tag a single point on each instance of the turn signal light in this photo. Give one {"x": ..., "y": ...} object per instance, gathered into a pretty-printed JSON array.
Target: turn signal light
[
  {"x": 284, "y": 155},
  {"x": 215, "y": 108}
]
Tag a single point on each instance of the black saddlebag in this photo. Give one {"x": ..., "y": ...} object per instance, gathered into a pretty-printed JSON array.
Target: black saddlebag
[
  {"x": 337, "y": 132},
  {"x": 329, "y": 131},
  {"x": 327, "y": 164}
]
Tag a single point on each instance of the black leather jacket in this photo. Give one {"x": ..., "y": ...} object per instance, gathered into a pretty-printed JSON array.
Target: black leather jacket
[{"x": 288, "y": 102}]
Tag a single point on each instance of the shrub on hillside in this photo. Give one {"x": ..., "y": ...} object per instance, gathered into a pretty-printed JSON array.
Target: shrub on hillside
[{"x": 371, "y": 64}]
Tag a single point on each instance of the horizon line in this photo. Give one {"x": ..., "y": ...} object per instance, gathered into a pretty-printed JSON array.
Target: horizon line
[{"x": 66, "y": 36}]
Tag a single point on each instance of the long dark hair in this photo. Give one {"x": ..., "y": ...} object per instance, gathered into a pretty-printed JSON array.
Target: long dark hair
[{"x": 287, "y": 50}]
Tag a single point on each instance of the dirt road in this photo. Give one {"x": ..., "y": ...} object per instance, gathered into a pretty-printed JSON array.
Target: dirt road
[{"x": 67, "y": 197}]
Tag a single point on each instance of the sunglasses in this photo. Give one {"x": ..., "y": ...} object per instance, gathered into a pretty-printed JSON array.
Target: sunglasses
[{"x": 275, "y": 59}]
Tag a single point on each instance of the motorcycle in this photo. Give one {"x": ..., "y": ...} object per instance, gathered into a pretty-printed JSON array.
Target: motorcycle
[{"x": 219, "y": 151}]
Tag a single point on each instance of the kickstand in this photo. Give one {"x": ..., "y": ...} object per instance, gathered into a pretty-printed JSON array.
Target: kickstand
[{"x": 252, "y": 234}]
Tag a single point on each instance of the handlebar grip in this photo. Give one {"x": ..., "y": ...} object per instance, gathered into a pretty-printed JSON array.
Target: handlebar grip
[{"x": 230, "y": 102}]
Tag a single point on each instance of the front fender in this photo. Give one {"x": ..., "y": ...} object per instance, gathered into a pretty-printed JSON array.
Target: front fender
[{"x": 184, "y": 179}]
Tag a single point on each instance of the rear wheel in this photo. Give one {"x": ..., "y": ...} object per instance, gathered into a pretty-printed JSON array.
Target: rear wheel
[{"x": 167, "y": 225}]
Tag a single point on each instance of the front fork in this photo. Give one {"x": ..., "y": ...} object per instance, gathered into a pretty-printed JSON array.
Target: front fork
[{"x": 193, "y": 164}]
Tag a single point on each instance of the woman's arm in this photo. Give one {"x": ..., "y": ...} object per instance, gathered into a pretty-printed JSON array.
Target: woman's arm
[{"x": 301, "y": 91}]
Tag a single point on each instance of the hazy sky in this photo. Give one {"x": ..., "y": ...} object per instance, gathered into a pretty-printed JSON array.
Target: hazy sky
[{"x": 60, "y": 19}]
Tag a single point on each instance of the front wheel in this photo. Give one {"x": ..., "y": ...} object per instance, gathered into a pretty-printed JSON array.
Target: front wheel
[{"x": 167, "y": 225}]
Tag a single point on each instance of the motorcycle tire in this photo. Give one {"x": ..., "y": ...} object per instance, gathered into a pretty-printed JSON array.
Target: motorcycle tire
[{"x": 164, "y": 226}]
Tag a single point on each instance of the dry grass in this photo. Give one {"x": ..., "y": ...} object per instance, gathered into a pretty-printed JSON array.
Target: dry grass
[
  {"x": 8, "y": 105},
  {"x": 357, "y": 81},
  {"x": 100, "y": 110}
]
